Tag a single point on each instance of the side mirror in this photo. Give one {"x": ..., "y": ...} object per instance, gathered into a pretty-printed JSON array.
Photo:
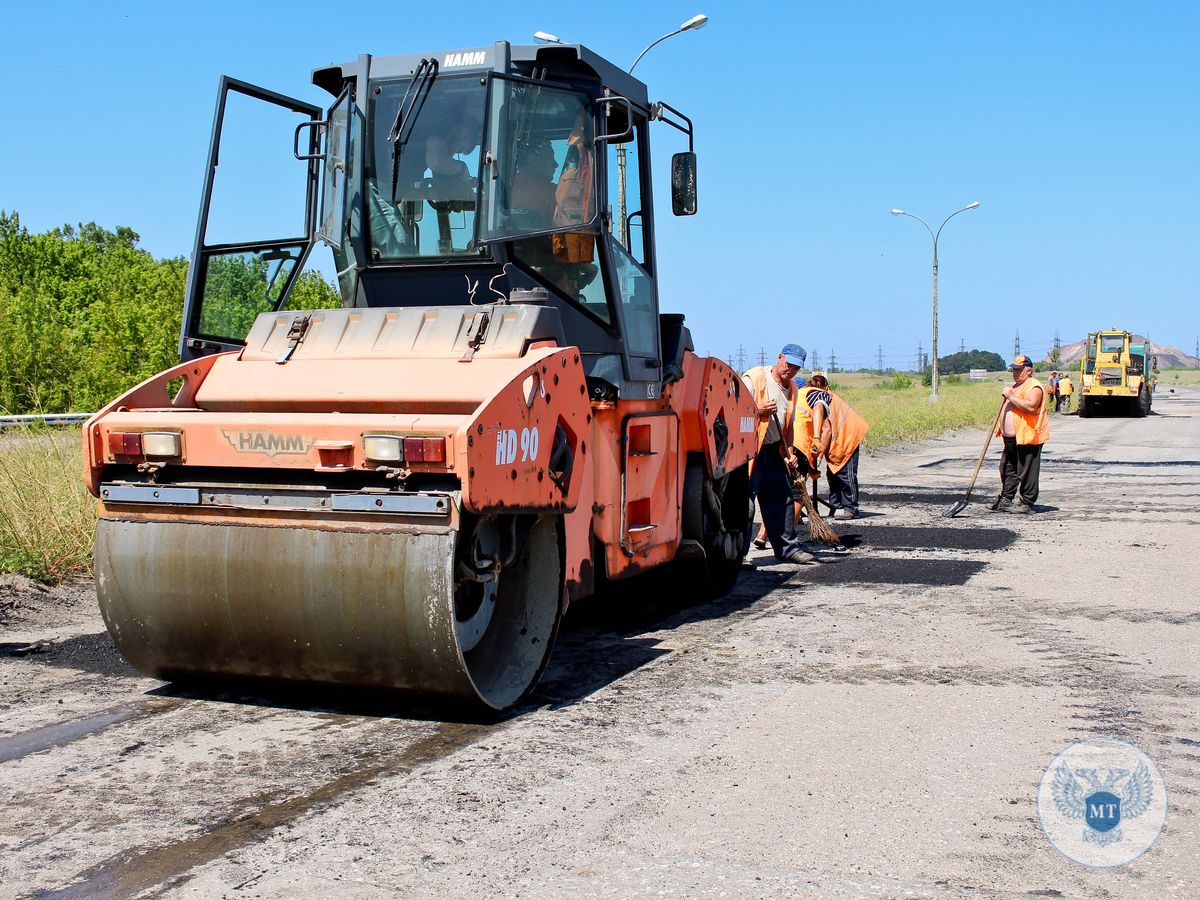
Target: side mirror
[
  {"x": 683, "y": 184},
  {"x": 1154, "y": 363}
]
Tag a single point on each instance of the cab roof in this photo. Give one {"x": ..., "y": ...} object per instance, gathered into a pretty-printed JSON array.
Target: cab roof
[{"x": 564, "y": 60}]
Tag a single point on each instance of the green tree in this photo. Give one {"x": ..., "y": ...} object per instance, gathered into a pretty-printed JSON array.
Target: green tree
[
  {"x": 85, "y": 313},
  {"x": 965, "y": 361}
]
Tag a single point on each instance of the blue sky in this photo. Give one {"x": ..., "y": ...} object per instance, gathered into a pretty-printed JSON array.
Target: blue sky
[{"x": 1077, "y": 125}]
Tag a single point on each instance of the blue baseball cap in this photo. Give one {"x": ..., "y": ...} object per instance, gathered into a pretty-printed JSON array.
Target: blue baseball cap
[{"x": 794, "y": 355}]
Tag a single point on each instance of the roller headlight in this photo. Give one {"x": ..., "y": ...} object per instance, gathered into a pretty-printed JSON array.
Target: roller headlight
[
  {"x": 162, "y": 444},
  {"x": 383, "y": 448}
]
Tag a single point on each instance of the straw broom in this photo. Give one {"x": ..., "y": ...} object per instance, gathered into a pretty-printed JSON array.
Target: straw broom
[{"x": 817, "y": 529}]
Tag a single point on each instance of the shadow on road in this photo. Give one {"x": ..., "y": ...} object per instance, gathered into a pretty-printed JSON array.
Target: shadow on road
[{"x": 615, "y": 632}]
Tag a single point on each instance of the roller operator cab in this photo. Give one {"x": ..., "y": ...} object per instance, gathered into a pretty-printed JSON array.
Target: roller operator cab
[
  {"x": 407, "y": 489},
  {"x": 438, "y": 179}
]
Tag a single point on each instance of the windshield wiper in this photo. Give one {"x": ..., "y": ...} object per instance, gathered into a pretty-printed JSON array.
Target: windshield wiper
[{"x": 407, "y": 112}]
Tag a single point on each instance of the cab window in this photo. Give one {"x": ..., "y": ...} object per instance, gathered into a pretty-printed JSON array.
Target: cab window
[{"x": 422, "y": 184}]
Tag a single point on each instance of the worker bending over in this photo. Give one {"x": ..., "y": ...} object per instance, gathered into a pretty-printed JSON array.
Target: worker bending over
[{"x": 829, "y": 429}]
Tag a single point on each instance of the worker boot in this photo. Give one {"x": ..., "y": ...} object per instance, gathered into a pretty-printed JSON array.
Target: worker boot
[
  {"x": 1001, "y": 504},
  {"x": 1022, "y": 507},
  {"x": 801, "y": 557}
]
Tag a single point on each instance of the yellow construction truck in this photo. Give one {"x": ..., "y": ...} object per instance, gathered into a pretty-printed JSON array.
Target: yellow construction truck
[{"x": 1115, "y": 374}]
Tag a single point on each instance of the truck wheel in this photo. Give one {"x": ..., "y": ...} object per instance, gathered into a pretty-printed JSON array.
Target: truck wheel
[
  {"x": 1085, "y": 408},
  {"x": 1141, "y": 405}
]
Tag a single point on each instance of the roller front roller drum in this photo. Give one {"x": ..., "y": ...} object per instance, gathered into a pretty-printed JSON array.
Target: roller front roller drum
[{"x": 386, "y": 608}]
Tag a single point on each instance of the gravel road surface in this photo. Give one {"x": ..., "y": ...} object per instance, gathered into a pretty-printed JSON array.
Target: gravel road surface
[{"x": 873, "y": 726}]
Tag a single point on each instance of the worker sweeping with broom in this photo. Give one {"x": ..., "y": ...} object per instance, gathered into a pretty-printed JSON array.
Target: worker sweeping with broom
[{"x": 772, "y": 468}]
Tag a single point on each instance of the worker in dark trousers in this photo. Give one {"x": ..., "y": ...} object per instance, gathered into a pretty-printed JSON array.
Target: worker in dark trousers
[
  {"x": 775, "y": 463},
  {"x": 1025, "y": 428}
]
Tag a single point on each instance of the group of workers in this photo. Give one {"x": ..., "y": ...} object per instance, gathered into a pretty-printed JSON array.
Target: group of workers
[
  {"x": 802, "y": 425},
  {"x": 1059, "y": 389}
]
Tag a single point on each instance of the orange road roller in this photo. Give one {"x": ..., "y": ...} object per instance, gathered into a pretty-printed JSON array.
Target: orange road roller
[{"x": 406, "y": 490}]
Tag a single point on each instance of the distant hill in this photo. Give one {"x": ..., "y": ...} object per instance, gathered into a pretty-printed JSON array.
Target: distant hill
[{"x": 1168, "y": 357}]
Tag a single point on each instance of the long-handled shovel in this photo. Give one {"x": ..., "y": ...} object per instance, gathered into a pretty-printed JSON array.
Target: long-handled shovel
[{"x": 962, "y": 504}]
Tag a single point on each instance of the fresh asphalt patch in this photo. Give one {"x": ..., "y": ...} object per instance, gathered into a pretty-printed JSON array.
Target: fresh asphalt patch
[
  {"x": 911, "y": 537},
  {"x": 94, "y": 653},
  {"x": 852, "y": 569},
  {"x": 910, "y": 497}
]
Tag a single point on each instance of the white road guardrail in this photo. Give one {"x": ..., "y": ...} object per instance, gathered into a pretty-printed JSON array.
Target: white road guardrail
[{"x": 54, "y": 419}]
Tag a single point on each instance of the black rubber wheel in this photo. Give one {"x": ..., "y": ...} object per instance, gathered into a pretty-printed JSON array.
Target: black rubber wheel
[
  {"x": 505, "y": 635},
  {"x": 1141, "y": 405},
  {"x": 1085, "y": 408},
  {"x": 717, "y": 515}
]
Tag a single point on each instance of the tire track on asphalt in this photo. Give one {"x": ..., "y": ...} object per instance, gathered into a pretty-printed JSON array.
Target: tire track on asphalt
[
  {"x": 36, "y": 740},
  {"x": 136, "y": 870}
]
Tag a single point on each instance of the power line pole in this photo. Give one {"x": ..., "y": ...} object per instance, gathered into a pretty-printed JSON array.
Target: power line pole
[
  {"x": 762, "y": 356},
  {"x": 1017, "y": 345},
  {"x": 920, "y": 358},
  {"x": 879, "y": 356},
  {"x": 741, "y": 358},
  {"x": 816, "y": 358},
  {"x": 1056, "y": 351},
  {"x": 962, "y": 345},
  {"x": 832, "y": 363}
]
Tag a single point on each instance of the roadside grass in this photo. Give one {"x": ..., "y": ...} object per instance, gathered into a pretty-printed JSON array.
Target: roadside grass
[
  {"x": 900, "y": 413},
  {"x": 1178, "y": 376},
  {"x": 47, "y": 517}
]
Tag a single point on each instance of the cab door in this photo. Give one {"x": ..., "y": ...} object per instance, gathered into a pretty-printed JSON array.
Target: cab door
[
  {"x": 257, "y": 214},
  {"x": 630, "y": 245}
]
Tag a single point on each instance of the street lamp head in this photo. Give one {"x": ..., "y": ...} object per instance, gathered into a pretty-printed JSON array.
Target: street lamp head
[
  {"x": 545, "y": 37},
  {"x": 897, "y": 212},
  {"x": 972, "y": 205},
  {"x": 695, "y": 22}
]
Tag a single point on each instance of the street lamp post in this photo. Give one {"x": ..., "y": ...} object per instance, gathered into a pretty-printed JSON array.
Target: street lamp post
[
  {"x": 933, "y": 397},
  {"x": 692, "y": 24}
]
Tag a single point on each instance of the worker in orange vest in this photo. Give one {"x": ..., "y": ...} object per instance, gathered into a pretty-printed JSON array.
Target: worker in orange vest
[
  {"x": 772, "y": 468},
  {"x": 1025, "y": 428},
  {"x": 1065, "y": 390},
  {"x": 828, "y": 428}
]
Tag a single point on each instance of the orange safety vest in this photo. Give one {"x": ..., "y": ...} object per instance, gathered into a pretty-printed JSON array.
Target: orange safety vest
[
  {"x": 849, "y": 429},
  {"x": 573, "y": 196},
  {"x": 1029, "y": 427},
  {"x": 758, "y": 377},
  {"x": 1066, "y": 388}
]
